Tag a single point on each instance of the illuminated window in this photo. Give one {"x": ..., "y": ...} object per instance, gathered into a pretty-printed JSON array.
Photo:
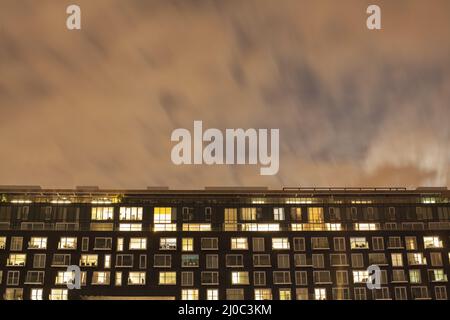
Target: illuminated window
[
  {"x": 2, "y": 243},
  {"x": 64, "y": 277},
  {"x": 260, "y": 227},
  {"x": 280, "y": 243},
  {"x": 437, "y": 275},
  {"x": 102, "y": 213},
  {"x": 136, "y": 278},
  {"x": 239, "y": 277},
  {"x": 302, "y": 294},
  {"x": 263, "y": 294},
  {"x": 119, "y": 244},
  {"x": 66, "y": 243},
  {"x": 397, "y": 259},
  {"x": 187, "y": 244},
  {"x": 320, "y": 294},
  {"x": 235, "y": 294},
  {"x": 58, "y": 294},
  {"x": 296, "y": 214},
  {"x": 416, "y": 258},
  {"x": 162, "y": 215},
  {"x": 415, "y": 276},
  {"x": 138, "y": 243},
  {"x": 130, "y": 213},
  {"x": 432, "y": 242},
  {"x": 89, "y": 260},
  {"x": 37, "y": 243},
  {"x": 167, "y": 278},
  {"x": 101, "y": 277},
  {"x": 239, "y": 244},
  {"x": 315, "y": 215},
  {"x": 130, "y": 227},
  {"x": 278, "y": 214},
  {"x": 16, "y": 260},
  {"x": 248, "y": 214},
  {"x": 230, "y": 219},
  {"x": 360, "y": 276},
  {"x": 168, "y": 244},
  {"x": 196, "y": 227},
  {"x": 411, "y": 243},
  {"x": 36, "y": 294},
  {"x": 118, "y": 281},
  {"x": 107, "y": 261},
  {"x": 359, "y": 243},
  {"x": 189, "y": 294},
  {"x": 212, "y": 294},
  {"x": 366, "y": 226}
]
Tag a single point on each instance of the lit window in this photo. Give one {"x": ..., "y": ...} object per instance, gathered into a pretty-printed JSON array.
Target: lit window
[
  {"x": 130, "y": 213},
  {"x": 167, "y": 278},
  {"x": 67, "y": 243},
  {"x": 37, "y": 243},
  {"x": 263, "y": 294},
  {"x": 89, "y": 260},
  {"x": 119, "y": 244},
  {"x": 64, "y": 277},
  {"x": 285, "y": 294},
  {"x": 102, "y": 213},
  {"x": 315, "y": 215},
  {"x": 107, "y": 261},
  {"x": 187, "y": 244},
  {"x": 415, "y": 276},
  {"x": 189, "y": 294},
  {"x": 36, "y": 294},
  {"x": 360, "y": 276},
  {"x": 138, "y": 243},
  {"x": 58, "y": 294},
  {"x": 212, "y": 294},
  {"x": 168, "y": 243},
  {"x": 416, "y": 258},
  {"x": 118, "y": 281},
  {"x": 260, "y": 227},
  {"x": 130, "y": 227},
  {"x": 278, "y": 214},
  {"x": 239, "y": 244},
  {"x": 196, "y": 227},
  {"x": 16, "y": 260},
  {"x": 100, "y": 277},
  {"x": 136, "y": 278},
  {"x": 397, "y": 259},
  {"x": 2, "y": 243},
  {"x": 432, "y": 242},
  {"x": 411, "y": 243},
  {"x": 239, "y": 277},
  {"x": 320, "y": 294},
  {"x": 366, "y": 226},
  {"x": 359, "y": 243},
  {"x": 280, "y": 243},
  {"x": 248, "y": 214},
  {"x": 162, "y": 215}
]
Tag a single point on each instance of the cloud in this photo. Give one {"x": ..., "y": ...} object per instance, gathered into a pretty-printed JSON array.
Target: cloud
[{"x": 354, "y": 107}]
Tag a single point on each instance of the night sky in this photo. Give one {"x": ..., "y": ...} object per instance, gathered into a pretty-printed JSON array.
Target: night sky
[{"x": 97, "y": 106}]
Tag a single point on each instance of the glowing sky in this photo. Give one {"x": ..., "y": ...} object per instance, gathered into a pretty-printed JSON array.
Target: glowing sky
[{"x": 97, "y": 106}]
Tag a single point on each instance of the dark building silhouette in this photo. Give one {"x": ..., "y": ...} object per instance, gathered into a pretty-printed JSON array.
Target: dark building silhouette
[{"x": 224, "y": 243}]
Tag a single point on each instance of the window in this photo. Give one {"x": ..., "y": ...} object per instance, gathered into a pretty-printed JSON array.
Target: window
[
  {"x": 400, "y": 293},
  {"x": 102, "y": 213},
  {"x": 124, "y": 260},
  {"x": 415, "y": 276},
  {"x": 37, "y": 243},
  {"x": 338, "y": 259},
  {"x": 16, "y": 244},
  {"x": 296, "y": 214},
  {"x": 360, "y": 276},
  {"x": 437, "y": 275},
  {"x": 107, "y": 261},
  {"x": 322, "y": 277},
  {"x": 212, "y": 261},
  {"x": 432, "y": 242},
  {"x": 162, "y": 218},
  {"x": 302, "y": 293},
  {"x": 189, "y": 294},
  {"x": 359, "y": 243},
  {"x": 136, "y": 278},
  {"x": 119, "y": 244},
  {"x": 142, "y": 261},
  {"x": 210, "y": 278},
  {"x": 16, "y": 260},
  {"x": 318, "y": 261},
  {"x": 281, "y": 277},
  {"x": 239, "y": 277},
  {"x": 212, "y": 294},
  {"x": 167, "y": 278},
  {"x": 239, "y": 244},
  {"x": 89, "y": 260},
  {"x": 320, "y": 294},
  {"x": 196, "y": 227},
  {"x": 234, "y": 260},
  {"x": 263, "y": 294},
  {"x": 341, "y": 293},
  {"x": 130, "y": 213},
  {"x": 320, "y": 243},
  {"x": 278, "y": 214},
  {"x": 13, "y": 294},
  {"x": 357, "y": 260},
  {"x": 283, "y": 261},
  {"x": 64, "y": 277},
  {"x": 299, "y": 244},
  {"x": 280, "y": 243},
  {"x": 259, "y": 278},
  {"x": 339, "y": 244},
  {"x": 416, "y": 258},
  {"x": 258, "y": 244},
  {"x": 315, "y": 215},
  {"x": 2, "y": 243},
  {"x": 138, "y": 243},
  {"x": 101, "y": 277},
  {"x": 230, "y": 219},
  {"x": 360, "y": 293},
  {"x": 419, "y": 293},
  {"x": 187, "y": 244},
  {"x": 130, "y": 227},
  {"x": 235, "y": 294},
  {"x": 210, "y": 243},
  {"x": 208, "y": 213},
  {"x": 85, "y": 244},
  {"x": 162, "y": 261},
  {"x": 395, "y": 243},
  {"x": 58, "y": 294},
  {"x": 334, "y": 213},
  {"x": 39, "y": 261},
  {"x": 12, "y": 278},
  {"x": 377, "y": 243},
  {"x": 341, "y": 277},
  {"x": 411, "y": 243},
  {"x": 36, "y": 294},
  {"x": 35, "y": 277},
  {"x": 436, "y": 259},
  {"x": 118, "y": 281},
  {"x": 188, "y": 213},
  {"x": 397, "y": 259},
  {"x": 189, "y": 260},
  {"x": 377, "y": 258},
  {"x": 301, "y": 278},
  {"x": 261, "y": 260},
  {"x": 366, "y": 226},
  {"x": 103, "y": 243},
  {"x": 61, "y": 260},
  {"x": 66, "y": 243},
  {"x": 187, "y": 278},
  {"x": 440, "y": 292},
  {"x": 248, "y": 214},
  {"x": 167, "y": 244}
]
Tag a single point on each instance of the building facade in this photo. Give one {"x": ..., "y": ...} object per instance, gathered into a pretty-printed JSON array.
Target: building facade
[{"x": 227, "y": 244}]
